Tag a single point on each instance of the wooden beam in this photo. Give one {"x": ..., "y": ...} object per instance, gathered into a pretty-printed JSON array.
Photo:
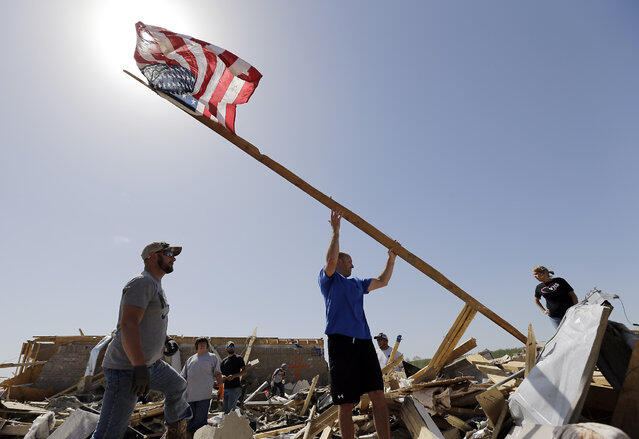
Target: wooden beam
[
  {"x": 451, "y": 339},
  {"x": 247, "y": 354},
  {"x": 626, "y": 414},
  {"x": 460, "y": 350},
  {"x": 417, "y": 420},
  {"x": 531, "y": 351},
  {"x": 278, "y": 431},
  {"x": 32, "y": 363},
  {"x": 394, "y": 351},
  {"x": 307, "y": 429},
  {"x": 326, "y": 433},
  {"x": 311, "y": 389},
  {"x": 349, "y": 215},
  {"x": 390, "y": 367}
]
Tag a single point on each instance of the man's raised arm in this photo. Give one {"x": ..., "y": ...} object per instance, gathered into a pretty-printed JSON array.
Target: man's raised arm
[
  {"x": 333, "y": 248},
  {"x": 383, "y": 279}
]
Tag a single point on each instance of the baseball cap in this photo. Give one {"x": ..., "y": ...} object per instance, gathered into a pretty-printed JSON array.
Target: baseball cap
[
  {"x": 230, "y": 343},
  {"x": 381, "y": 335},
  {"x": 159, "y": 246}
]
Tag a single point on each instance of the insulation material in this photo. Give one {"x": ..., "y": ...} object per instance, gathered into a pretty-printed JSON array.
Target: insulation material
[{"x": 555, "y": 389}]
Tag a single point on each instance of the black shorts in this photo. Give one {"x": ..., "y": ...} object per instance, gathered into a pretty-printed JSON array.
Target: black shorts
[{"x": 354, "y": 368}]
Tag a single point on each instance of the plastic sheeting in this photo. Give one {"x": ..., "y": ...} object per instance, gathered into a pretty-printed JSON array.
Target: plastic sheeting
[
  {"x": 95, "y": 353},
  {"x": 555, "y": 389},
  {"x": 79, "y": 425}
]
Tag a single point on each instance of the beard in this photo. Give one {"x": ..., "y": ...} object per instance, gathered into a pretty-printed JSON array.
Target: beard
[{"x": 164, "y": 265}]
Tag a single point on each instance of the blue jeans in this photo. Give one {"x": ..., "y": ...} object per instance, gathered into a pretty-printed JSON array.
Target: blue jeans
[
  {"x": 200, "y": 411},
  {"x": 229, "y": 402},
  {"x": 118, "y": 402},
  {"x": 278, "y": 387}
]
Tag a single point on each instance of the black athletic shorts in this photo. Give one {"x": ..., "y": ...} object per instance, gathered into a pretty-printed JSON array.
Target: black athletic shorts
[{"x": 354, "y": 368}]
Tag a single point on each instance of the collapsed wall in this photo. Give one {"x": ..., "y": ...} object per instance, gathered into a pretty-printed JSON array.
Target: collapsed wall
[{"x": 60, "y": 362}]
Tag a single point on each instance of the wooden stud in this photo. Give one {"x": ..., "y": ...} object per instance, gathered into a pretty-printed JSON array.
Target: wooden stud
[
  {"x": 394, "y": 351},
  {"x": 247, "y": 354},
  {"x": 451, "y": 339},
  {"x": 277, "y": 431},
  {"x": 390, "y": 367},
  {"x": 462, "y": 349},
  {"x": 311, "y": 389},
  {"x": 531, "y": 351},
  {"x": 326, "y": 433},
  {"x": 457, "y": 423},
  {"x": 350, "y": 216},
  {"x": 307, "y": 430}
]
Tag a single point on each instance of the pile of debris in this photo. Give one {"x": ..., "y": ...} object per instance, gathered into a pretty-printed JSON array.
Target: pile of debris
[{"x": 583, "y": 381}]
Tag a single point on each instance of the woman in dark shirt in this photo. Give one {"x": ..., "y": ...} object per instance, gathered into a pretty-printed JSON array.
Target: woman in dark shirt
[{"x": 558, "y": 293}]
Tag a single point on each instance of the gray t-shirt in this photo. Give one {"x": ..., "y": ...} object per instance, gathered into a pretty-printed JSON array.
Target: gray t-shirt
[
  {"x": 143, "y": 291},
  {"x": 198, "y": 371}
]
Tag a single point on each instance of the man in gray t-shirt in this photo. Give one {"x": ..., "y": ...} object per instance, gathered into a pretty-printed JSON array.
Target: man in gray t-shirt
[{"x": 132, "y": 363}]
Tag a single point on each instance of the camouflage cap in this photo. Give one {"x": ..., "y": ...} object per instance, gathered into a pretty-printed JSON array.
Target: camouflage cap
[{"x": 159, "y": 246}]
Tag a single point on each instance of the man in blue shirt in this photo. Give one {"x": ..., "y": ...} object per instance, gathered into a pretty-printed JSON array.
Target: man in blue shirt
[{"x": 352, "y": 358}]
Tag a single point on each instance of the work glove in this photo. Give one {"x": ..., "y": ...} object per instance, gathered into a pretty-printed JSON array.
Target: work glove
[
  {"x": 141, "y": 379},
  {"x": 170, "y": 347}
]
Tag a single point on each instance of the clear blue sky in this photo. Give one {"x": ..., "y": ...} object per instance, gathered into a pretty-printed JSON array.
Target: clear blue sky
[{"x": 487, "y": 137}]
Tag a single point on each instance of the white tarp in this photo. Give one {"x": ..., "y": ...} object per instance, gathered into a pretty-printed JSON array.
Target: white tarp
[
  {"x": 79, "y": 425},
  {"x": 554, "y": 391},
  {"x": 95, "y": 353}
]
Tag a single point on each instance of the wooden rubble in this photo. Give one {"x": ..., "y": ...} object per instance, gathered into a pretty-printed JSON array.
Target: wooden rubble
[{"x": 433, "y": 402}]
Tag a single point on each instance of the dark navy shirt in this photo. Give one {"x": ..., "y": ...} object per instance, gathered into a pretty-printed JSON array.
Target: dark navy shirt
[{"x": 344, "y": 300}]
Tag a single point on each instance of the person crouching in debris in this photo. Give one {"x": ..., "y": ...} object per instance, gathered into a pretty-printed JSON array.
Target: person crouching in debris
[
  {"x": 353, "y": 364},
  {"x": 233, "y": 368},
  {"x": 199, "y": 371},
  {"x": 132, "y": 363},
  {"x": 558, "y": 293},
  {"x": 278, "y": 380}
]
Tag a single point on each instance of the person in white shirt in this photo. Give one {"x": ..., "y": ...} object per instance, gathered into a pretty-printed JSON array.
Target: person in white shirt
[{"x": 386, "y": 350}]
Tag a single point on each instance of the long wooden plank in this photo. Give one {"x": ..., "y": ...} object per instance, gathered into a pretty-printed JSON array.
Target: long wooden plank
[
  {"x": 307, "y": 429},
  {"x": 394, "y": 351},
  {"x": 247, "y": 354},
  {"x": 531, "y": 351},
  {"x": 278, "y": 431},
  {"x": 350, "y": 216},
  {"x": 626, "y": 414},
  {"x": 311, "y": 389},
  {"x": 32, "y": 363}
]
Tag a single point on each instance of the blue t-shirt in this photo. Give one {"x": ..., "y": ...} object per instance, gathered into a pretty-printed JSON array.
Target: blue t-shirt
[{"x": 344, "y": 299}]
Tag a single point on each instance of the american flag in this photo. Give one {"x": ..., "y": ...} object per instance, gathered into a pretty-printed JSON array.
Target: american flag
[{"x": 207, "y": 79}]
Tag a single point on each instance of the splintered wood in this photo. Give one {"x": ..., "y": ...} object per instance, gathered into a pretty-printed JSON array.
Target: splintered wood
[{"x": 447, "y": 346}]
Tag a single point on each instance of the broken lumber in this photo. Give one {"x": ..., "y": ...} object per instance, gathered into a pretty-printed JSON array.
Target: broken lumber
[
  {"x": 531, "y": 350},
  {"x": 460, "y": 350},
  {"x": 418, "y": 421},
  {"x": 307, "y": 401},
  {"x": 448, "y": 344}
]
